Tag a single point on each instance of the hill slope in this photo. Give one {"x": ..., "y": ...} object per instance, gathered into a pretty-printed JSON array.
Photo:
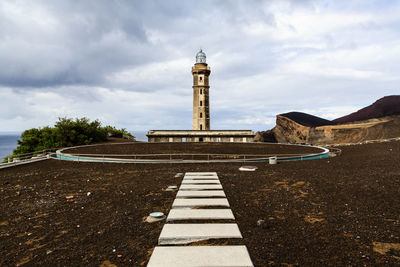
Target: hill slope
[
  {"x": 307, "y": 119},
  {"x": 386, "y": 106},
  {"x": 289, "y": 131},
  {"x": 381, "y": 120}
]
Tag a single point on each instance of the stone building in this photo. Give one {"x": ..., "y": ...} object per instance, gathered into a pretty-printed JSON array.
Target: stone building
[{"x": 201, "y": 114}]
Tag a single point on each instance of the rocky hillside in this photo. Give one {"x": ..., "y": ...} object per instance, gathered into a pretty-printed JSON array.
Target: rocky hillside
[
  {"x": 380, "y": 120},
  {"x": 265, "y": 136},
  {"x": 287, "y": 130}
]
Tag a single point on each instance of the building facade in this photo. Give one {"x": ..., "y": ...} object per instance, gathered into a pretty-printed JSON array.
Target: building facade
[
  {"x": 200, "y": 136},
  {"x": 201, "y": 131}
]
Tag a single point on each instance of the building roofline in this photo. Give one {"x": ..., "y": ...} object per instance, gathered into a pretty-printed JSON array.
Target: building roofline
[
  {"x": 200, "y": 133},
  {"x": 202, "y": 130}
]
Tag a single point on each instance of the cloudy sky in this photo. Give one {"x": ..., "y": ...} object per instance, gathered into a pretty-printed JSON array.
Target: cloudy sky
[{"x": 128, "y": 63}]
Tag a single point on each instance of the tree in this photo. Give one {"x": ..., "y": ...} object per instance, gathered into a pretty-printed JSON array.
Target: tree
[{"x": 66, "y": 132}]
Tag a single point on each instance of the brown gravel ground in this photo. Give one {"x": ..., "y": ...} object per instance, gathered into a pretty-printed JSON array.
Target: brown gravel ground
[
  {"x": 339, "y": 211},
  {"x": 207, "y": 148}
]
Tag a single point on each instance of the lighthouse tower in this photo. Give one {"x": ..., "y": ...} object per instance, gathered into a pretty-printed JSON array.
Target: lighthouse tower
[
  {"x": 201, "y": 105},
  {"x": 201, "y": 114}
]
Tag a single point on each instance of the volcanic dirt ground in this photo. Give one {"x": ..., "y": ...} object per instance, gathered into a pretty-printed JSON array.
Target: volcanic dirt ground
[
  {"x": 339, "y": 211},
  {"x": 192, "y": 149}
]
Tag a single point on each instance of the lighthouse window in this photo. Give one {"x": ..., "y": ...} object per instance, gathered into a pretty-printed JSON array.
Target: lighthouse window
[
  {"x": 201, "y": 91},
  {"x": 201, "y": 103},
  {"x": 201, "y": 79},
  {"x": 201, "y": 127},
  {"x": 201, "y": 115}
]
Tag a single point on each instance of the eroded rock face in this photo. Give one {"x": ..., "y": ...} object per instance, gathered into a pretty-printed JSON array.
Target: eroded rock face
[
  {"x": 265, "y": 136},
  {"x": 287, "y": 130}
]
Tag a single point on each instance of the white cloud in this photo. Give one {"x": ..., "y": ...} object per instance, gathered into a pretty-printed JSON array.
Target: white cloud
[
  {"x": 137, "y": 111},
  {"x": 331, "y": 113},
  {"x": 157, "y": 76}
]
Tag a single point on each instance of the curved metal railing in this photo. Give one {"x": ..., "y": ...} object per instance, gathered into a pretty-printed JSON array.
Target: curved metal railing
[
  {"x": 25, "y": 158},
  {"x": 188, "y": 157}
]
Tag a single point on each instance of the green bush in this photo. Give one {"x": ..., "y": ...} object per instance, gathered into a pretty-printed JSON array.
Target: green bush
[
  {"x": 79, "y": 132},
  {"x": 121, "y": 133},
  {"x": 66, "y": 132}
]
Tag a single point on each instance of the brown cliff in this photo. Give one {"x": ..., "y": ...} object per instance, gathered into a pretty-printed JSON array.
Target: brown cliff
[
  {"x": 287, "y": 130},
  {"x": 265, "y": 136},
  {"x": 381, "y": 120}
]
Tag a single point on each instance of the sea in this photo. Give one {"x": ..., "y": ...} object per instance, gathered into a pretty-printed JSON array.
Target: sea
[
  {"x": 140, "y": 135},
  {"x": 8, "y": 141}
]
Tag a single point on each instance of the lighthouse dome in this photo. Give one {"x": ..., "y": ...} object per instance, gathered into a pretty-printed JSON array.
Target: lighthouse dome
[{"x": 200, "y": 57}]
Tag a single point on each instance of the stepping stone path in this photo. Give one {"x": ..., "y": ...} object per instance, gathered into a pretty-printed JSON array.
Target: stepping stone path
[
  {"x": 200, "y": 186},
  {"x": 216, "y": 256},
  {"x": 190, "y": 174},
  {"x": 200, "y": 214},
  {"x": 200, "y": 193},
  {"x": 199, "y": 202},
  {"x": 197, "y": 191},
  {"x": 200, "y": 182},
  {"x": 200, "y": 178},
  {"x": 192, "y": 232}
]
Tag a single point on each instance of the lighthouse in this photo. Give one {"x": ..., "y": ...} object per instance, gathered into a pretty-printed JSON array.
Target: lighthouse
[{"x": 201, "y": 87}]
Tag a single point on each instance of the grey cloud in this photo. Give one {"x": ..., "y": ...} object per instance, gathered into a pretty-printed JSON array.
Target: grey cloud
[
  {"x": 70, "y": 49},
  {"x": 79, "y": 43}
]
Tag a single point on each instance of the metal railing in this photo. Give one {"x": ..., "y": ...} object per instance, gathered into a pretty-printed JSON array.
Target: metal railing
[
  {"x": 14, "y": 160},
  {"x": 187, "y": 157}
]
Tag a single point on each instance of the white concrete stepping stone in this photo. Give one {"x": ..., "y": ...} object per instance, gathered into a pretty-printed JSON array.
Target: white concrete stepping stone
[
  {"x": 200, "y": 186},
  {"x": 200, "y": 214},
  {"x": 200, "y": 182},
  {"x": 175, "y": 234},
  {"x": 200, "y": 178},
  {"x": 205, "y": 256},
  {"x": 200, "y": 193},
  {"x": 200, "y": 173},
  {"x": 191, "y": 176},
  {"x": 199, "y": 202},
  {"x": 203, "y": 175}
]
